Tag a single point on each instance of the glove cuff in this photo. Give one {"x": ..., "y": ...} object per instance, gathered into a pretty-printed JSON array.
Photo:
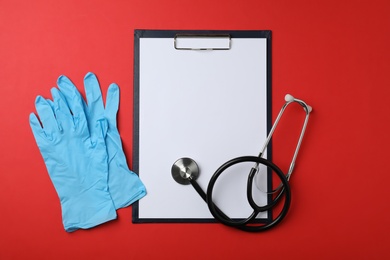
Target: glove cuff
[{"x": 86, "y": 211}]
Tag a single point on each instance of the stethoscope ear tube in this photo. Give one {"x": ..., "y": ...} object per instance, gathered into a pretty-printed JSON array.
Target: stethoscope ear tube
[{"x": 243, "y": 224}]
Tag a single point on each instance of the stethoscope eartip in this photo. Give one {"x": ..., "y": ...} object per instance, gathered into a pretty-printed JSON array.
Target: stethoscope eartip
[{"x": 289, "y": 98}]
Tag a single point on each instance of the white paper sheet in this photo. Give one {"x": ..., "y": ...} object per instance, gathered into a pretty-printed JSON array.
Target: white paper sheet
[{"x": 210, "y": 106}]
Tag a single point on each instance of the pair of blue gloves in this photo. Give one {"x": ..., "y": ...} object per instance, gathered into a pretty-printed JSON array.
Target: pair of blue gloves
[{"x": 81, "y": 146}]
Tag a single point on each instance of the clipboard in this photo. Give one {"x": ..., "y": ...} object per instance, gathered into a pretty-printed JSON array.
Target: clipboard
[{"x": 205, "y": 95}]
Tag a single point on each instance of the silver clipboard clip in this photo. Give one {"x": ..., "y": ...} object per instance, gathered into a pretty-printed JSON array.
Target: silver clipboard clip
[{"x": 202, "y": 42}]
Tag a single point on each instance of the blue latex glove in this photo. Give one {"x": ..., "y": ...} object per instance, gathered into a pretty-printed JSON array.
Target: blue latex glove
[
  {"x": 124, "y": 185},
  {"x": 77, "y": 165}
]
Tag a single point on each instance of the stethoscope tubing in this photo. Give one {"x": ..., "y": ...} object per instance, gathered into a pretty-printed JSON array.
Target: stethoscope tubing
[{"x": 243, "y": 224}]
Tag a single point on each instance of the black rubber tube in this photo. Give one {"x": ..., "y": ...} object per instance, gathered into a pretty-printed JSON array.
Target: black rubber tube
[{"x": 246, "y": 224}]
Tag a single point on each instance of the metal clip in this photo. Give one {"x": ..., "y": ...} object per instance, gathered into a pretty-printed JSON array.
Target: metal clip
[{"x": 202, "y": 42}]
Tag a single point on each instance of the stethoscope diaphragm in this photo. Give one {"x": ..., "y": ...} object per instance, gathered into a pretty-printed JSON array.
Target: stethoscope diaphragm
[{"x": 184, "y": 170}]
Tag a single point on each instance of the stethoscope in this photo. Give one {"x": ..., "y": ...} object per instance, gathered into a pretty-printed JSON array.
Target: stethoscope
[{"x": 186, "y": 171}]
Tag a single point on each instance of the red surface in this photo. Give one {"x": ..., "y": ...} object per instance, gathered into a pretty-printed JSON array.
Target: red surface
[{"x": 333, "y": 54}]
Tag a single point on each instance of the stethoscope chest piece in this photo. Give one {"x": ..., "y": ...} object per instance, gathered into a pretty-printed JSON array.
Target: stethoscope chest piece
[{"x": 184, "y": 170}]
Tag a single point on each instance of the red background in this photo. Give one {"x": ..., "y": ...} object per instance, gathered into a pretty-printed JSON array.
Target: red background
[{"x": 333, "y": 54}]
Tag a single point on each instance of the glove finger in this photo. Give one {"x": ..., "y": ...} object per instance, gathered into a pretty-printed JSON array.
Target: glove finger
[
  {"x": 51, "y": 103},
  {"x": 95, "y": 106},
  {"x": 36, "y": 128},
  {"x": 61, "y": 110},
  {"x": 73, "y": 98},
  {"x": 112, "y": 103},
  {"x": 46, "y": 116},
  {"x": 94, "y": 97}
]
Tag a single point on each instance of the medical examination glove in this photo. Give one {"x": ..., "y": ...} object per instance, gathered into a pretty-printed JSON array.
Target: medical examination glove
[
  {"x": 77, "y": 165},
  {"x": 124, "y": 185}
]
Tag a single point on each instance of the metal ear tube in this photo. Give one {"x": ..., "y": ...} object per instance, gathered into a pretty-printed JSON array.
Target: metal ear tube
[{"x": 289, "y": 99}]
